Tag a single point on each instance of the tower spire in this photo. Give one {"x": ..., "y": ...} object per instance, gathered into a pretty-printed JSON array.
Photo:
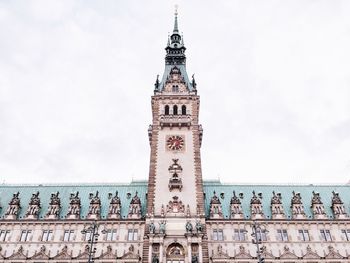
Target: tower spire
[{"x": 176, "y": 27}]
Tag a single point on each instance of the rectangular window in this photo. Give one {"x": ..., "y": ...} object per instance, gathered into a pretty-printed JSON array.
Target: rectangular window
[
  {"x": 25, "y": 235},
  {"x": 47, "y": 235},
  {"x": 4, "y": 235},
  {"x": 68, "y": 235},
  {"x": 87, "y": 236},
  {"x": 346, "y": 234},
  {"x": 282, "y": 235},
  {"x": 239, "y": 235},
  {"x": 111, "y": 235},
  {"x": 218, "y": 234},
  {"x": 132, "y": 234},
  {"x": 304, "y": 235},
  {"x": 326, "y": 235},
  {"x": 261, "y": 235}
]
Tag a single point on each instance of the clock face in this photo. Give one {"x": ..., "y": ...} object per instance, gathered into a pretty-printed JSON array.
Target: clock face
[{"x": 175, "y": 143}]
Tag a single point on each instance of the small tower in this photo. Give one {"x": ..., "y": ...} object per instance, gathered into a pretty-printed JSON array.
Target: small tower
[
  {"x": 13, "y": 207},
  {"x": 256, "y": 207},
  {"x": 74, "y": 206},
  {"x": 95, "y": 207},
  {"x": 317, "y": 206},
  {"x": 236, "y": 207},
  {"x": 297, "y": 206},
  {"x": 215, "y": 207},
  {"x": 54, "y": 207},
  {"x": 33, "y": 207},
  {"x": 135, "y": 207},
  {"x": 115, "y": 207},
  {"x": 276, "y": 206},
  {"x": 338, "y": 207}
]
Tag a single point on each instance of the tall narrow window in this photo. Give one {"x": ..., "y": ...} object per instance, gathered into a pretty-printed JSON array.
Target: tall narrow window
[
  {"x": 25, "y": 235},
  {"x": 68, "y": 235},
  {"x": 175, "y": 110},
  {"x": 166, "y": 110},
  {"x": 325, "y": 235},
  {"x": 47, "y": 235},
  {"x": 132, "y": 234},
  {"x": 282, "y": 235},
  {"x": 346, "y": 234},
  {"x": 304, "y": 235},
  {"x": 111, "y": 235},
  {"x": 4, "y": 235},
  {"x": 183, "y": 110}
]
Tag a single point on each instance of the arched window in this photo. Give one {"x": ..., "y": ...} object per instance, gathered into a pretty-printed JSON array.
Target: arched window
[
  {"x": 166, "y": 110},
  {"x": 175, "y": 110},
  {"x": 183, "y": 110},
  {"x": 175, "y": 88}
]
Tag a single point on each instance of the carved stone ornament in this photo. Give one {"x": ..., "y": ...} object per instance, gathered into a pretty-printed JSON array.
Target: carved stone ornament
[
  {"x": 13, "y": 207},
  {"x": 296, "y": 199},
  {"x": 276, "y": 199},
  {"x": 74, "y": 206},
  {"x": 336, "y": 200},
  {"x": 34, "y": 207},
  {"x": 175, "y": 206},
  {"x": 255, "y": 199},
  {"x": 235, "y": 199},
  {"x": 316, "y": 199},
  {"x": 54, "y": 206}
]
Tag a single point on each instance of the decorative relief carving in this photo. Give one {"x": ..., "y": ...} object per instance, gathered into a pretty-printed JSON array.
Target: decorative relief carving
[
  {"x": 175, "y": 181},
  {"x": 175, "y": 206}
]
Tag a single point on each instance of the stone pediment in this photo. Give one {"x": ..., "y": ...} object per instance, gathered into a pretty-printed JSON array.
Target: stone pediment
[
  {"x": 83, "y": 254},
  {"x": 242, "y": 254},
  {"x": 220, "y": 254},
  {"x": 18, "y": 254},
  {"x": 332, "y": 254},
  {"x": 130, "y": 254},
  {"x": 41, "y": 254},
  {"x": 310, "y": 254},
  {"x": 63, "y": 254},
  {"x": 108, "y": 254},
  {"x": 287, "y": 254}
]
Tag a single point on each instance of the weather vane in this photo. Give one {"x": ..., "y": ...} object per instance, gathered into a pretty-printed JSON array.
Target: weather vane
[{"x": 176, "y": 7}]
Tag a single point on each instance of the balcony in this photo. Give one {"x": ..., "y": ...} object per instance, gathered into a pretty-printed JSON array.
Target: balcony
[{"x": 175, "y": 120}]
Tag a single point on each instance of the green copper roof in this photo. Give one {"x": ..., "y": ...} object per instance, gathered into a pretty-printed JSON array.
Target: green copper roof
[
  {"x": 127, "y": 191},
  {"x": 225, "y": 192}
]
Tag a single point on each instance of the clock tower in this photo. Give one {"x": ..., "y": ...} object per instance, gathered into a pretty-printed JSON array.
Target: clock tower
[{"x": 175, "y": 201}]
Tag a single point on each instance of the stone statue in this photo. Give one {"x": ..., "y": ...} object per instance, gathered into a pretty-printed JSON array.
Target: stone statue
[
  {"x": 199, "y": 227},
  {"x": 194, "y": 259},
  {"x": 189, "y": 227},
  {"x": 162, "y": 227},
  {"x": 151, "y": 228},
  {"x": 155, "y": 259}
]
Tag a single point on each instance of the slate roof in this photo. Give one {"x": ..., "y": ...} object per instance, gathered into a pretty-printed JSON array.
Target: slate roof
[{"x": 127, "y": 191}]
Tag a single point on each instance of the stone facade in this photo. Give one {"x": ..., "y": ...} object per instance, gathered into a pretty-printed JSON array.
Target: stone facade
[{"x": 175, "y": 216}]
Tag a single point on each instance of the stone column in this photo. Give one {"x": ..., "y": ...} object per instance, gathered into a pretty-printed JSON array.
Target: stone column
[
  {"x": 150, "y": 253},
  {"x": 161, "y": 252},
  {"x": 189, "y": 248},
  {"x": 200, "y": 254}
]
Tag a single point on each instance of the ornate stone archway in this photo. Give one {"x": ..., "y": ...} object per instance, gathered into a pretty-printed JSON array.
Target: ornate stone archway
[{"x": 175, "y": 253}]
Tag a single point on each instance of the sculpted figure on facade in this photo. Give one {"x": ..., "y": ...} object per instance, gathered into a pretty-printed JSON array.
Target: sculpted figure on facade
[
  {"x": 152, "y": 228},
  {"x": 256, "y": 208},
  {"x": 135, "y": 207},
  {"x": 236, "y": 207},
  {"x": 297, "y": 206},
  {"x": 338, "y": 207},
  {"x": 215, "y": 210},
  {"x": 13, "y": 207},
  {"x": 95, "y": 207},
  {"x": 276, "y": 206},
  {"x": 189, "y": 227},
  {"x": 34, "y": 207},
  {"x": 162, "y": 227},
  {"x": 54, "y": 206},
  {"x": 115, "y": 207},
  {"x": 74, "y": 206},
  {"x": 175, "y": 181}
]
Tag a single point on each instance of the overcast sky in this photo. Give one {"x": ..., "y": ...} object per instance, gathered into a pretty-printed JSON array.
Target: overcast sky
[{"x": 76, "y": 79}]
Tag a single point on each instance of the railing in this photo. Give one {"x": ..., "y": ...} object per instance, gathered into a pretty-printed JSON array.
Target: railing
[{"x": 174, "y": 120}]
